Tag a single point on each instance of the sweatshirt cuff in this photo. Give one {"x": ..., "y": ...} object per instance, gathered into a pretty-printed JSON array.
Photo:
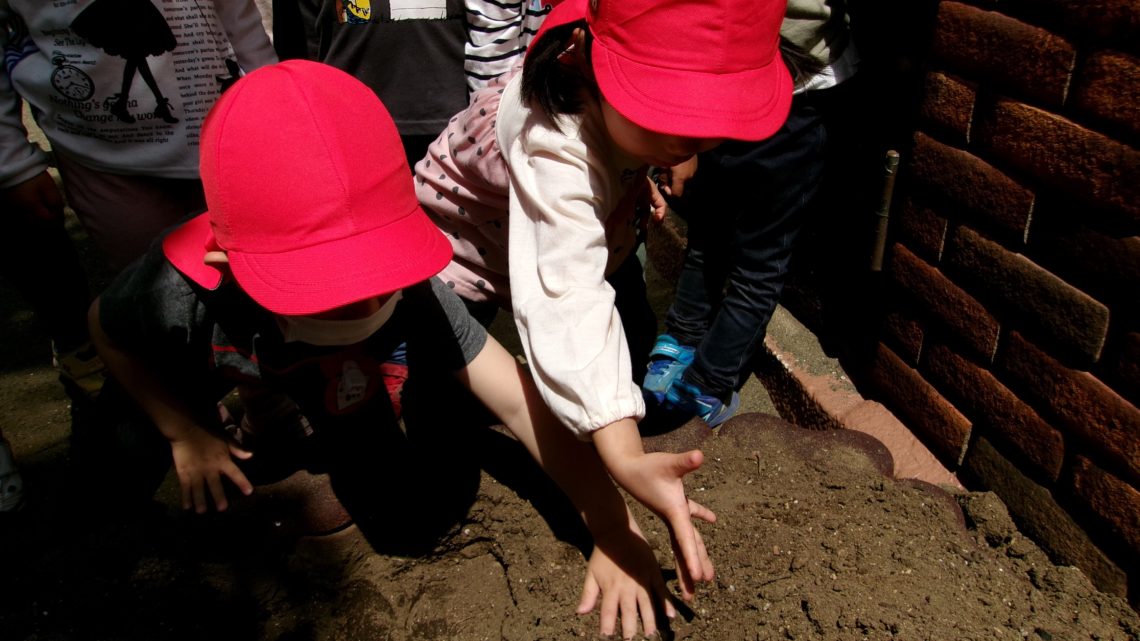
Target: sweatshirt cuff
[
  {"x": 23, "y": 169},
  {"x": 633, "y": 407}
]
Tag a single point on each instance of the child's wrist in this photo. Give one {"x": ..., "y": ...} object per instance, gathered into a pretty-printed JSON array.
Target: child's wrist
[{"x": 618, "y": 443}]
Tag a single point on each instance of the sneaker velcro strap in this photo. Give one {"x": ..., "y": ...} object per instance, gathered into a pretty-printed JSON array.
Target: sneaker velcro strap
[{"x": 670, "y": 350}]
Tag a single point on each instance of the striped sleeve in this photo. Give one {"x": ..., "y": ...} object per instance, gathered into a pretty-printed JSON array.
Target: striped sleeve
[{"x": 498, "y": 32}]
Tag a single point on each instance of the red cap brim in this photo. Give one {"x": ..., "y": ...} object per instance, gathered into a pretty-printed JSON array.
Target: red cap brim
[
  {"x": 324, "y": 276},
  {"x": 186, "y": 246}
]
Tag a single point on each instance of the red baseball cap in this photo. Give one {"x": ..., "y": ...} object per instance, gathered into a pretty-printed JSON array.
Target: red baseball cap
[
  {"x": 695, "y": 68},
  {"x": 308, "y": 192}
]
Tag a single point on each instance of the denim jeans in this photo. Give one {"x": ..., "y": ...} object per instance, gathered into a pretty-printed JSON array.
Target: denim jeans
[{"x": 744, "y": 208}]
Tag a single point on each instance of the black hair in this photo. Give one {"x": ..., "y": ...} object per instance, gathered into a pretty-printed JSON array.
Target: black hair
[
  {"x": 801, "y": 64},
  {"x": 553, "y": 85}
]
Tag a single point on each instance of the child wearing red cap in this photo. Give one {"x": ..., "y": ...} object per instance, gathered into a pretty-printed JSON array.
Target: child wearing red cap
[
  {"x": 539, "y": 181},
  {"x": 313, "y": 261}
]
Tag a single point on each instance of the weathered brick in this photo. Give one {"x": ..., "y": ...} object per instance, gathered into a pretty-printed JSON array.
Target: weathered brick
[
  {"x": 937, "y": 422},
  {"x": 994, "y": 409},
  {"x": 1074, "y": 400},
  {"x": 1063, "y": 155},
  {"x": 922, "y": 228},
  {"x": 965, "y": 181},
  {"x": 1037, "y": 300},
  {"x": 1124, "y": 368},
  {"x": 1104, "y": 264},
  {"x": 904, "y": 334},
  {"x": 948, "y": 106},
  {"x": 996, "y": 49},
  {"x": 1110, "y": 498},
  {"x": 1107, "y": 89},
  {"x": 1101, "y": 21},
  {"x": 1039, "y": 516},
  {"x": 939, "y": 297}
]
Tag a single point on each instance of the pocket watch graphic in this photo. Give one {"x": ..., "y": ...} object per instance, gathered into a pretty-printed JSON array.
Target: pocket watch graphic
[{"x": 70, "y": 80}]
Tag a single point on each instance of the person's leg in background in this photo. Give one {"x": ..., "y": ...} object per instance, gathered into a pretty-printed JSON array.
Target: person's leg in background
[
  {"x": 750, "y": 203},
  {"x": 41, "y": 262},
  {"x": 124, "y": 214}
]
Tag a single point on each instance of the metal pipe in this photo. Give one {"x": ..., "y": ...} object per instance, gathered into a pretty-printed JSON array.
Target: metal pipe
[{"x": 882, "y": 216}]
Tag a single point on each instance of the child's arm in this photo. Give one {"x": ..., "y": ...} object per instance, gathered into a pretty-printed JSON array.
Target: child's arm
[
  {"x": 242, "y": 23},
  {"x": 24, "y": 180},
  {"x": 201, "y": 458},
  {"x": 622, "y": 566},
  {"x": 656, "y": 481}
]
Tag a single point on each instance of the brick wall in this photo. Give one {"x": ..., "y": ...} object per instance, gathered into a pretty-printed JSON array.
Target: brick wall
[{"x": 1009, "y": 319}]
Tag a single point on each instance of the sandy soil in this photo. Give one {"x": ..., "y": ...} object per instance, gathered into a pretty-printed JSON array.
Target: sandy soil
[{"x": 813, "y": 542}]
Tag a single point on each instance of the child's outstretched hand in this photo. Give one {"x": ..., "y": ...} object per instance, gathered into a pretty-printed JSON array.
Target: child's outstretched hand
[
  {"x": 201, "y": 459},
  {"x": 624, "y": 572},
  {"x": 656, "y": 480}
]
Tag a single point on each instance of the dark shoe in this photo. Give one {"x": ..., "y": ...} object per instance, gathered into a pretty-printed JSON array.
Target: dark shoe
[
  {"x": 163, "y": 111},
  {"x": 80, "y": 370}
]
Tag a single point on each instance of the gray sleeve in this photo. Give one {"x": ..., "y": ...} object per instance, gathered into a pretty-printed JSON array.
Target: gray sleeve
[
  {"x": 149, "y": 304},
  {"x": 441, "y": 324}
]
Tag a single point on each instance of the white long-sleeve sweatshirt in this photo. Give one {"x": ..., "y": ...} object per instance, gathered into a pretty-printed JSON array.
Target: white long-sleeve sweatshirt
[
  {"x": 538, "y": 215},
  {"x": 567, "y": 185},
  {"x": 72, "y": 84}
]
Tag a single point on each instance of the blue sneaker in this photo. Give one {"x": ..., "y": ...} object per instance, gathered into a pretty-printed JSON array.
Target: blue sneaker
[
  {"x": 690, "y": 398},
  {"x": 668, "y": 360}
]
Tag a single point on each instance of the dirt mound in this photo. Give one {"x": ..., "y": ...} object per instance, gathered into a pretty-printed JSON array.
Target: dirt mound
[{"x": 812, "y": 542}]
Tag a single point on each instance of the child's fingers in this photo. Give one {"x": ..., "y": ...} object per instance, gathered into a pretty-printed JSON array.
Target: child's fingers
[
  {"x": 609, "y": 613},
  {"x": 186, "y": 497},
  {"x": 629, "y": 603},
  {"x": 684, "y": 574},
  {"x": 700, "y": 566},
  {"x": 648, "y": 614},
  {"x": 707, "y": 571},
  {"x": 698, "y": 511},
  {"x": 198, "y": 490},
  {"x": 239, "y": 480},
  {"x": 686, "y": 462},
  {"x": 590, "y": 593},
  {"x": 686, "y": 544},
  {"x": 214, "y": 481},
  {"x": 238, "y": 453}
]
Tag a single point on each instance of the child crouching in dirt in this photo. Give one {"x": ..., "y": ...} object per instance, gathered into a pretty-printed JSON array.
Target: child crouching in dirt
[{"x": 313, "y": 261}]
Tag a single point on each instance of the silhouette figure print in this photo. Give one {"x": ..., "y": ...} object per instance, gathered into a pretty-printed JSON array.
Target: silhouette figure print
[{"x": 132, "y": 30}]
